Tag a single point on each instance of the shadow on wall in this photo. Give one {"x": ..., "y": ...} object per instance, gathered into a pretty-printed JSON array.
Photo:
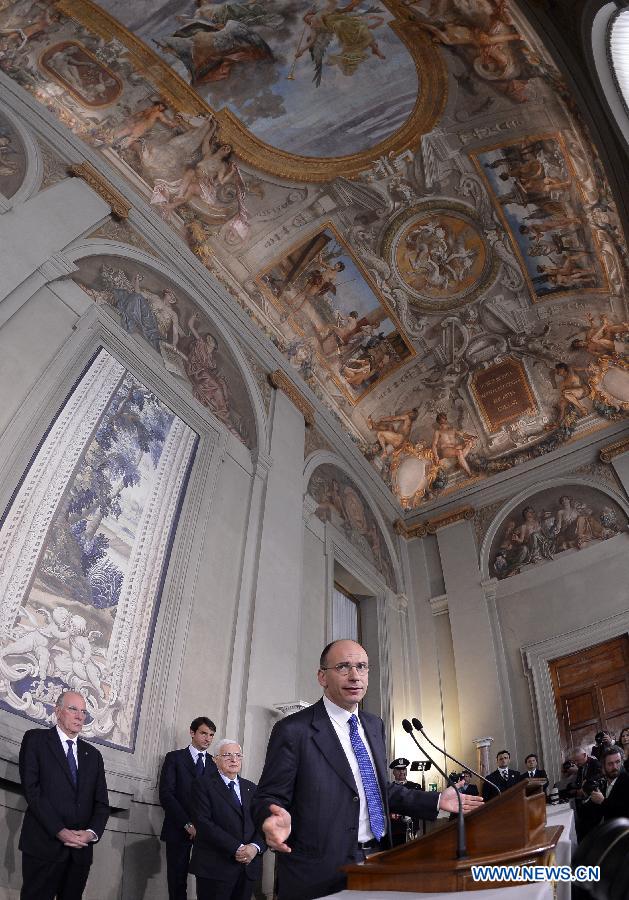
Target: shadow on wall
[
  {"x": 11, "y": 858},
  {"x": 142, "y": 862}
]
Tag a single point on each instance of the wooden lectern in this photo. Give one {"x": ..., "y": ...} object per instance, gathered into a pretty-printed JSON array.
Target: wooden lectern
[{"x": 508, "y": 830}]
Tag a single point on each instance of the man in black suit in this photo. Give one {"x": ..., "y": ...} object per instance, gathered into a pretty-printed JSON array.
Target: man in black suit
[
  {"x": 180, "y": 770},
  {"x": 63, "y": 779},
  {"x": 322, "y": 798},
  {"x": 588, "y": 770},
  {"x": 532, "y": 770},
  {"x": 227, "y": 851},
  {"x": 503, "y": 777},
  {"x": 466, "y": 786},
  {"x": 613, "y": 803}
]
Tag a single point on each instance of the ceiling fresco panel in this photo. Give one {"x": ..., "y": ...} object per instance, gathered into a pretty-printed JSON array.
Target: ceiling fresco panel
[{"x": 431, "y": 148}]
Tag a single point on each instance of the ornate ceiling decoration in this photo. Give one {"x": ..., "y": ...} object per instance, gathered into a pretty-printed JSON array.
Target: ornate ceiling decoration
[{"x": 401, "y": 194}]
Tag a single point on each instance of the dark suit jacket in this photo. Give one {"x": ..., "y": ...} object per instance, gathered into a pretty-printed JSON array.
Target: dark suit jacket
[
  {"x": 53, "y": 800},
  {"x": 175, "y": 784},
  {"x": 496, "y": 778},
  {"x": 539, "y": 773},
  {"x": 307, "y": 772},
  {"x": 615, "y": 806},
  {"x": 221, "y": 828},
  {"x": 471, "y": 790}
]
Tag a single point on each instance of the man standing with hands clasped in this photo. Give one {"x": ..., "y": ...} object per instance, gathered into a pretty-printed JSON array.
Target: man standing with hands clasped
[
  {"x": 322, "y": 798},
  {"x": 227, "y": 852},
  {"x": 180, "y": 772},
  {"x": 63, "y": 778}
]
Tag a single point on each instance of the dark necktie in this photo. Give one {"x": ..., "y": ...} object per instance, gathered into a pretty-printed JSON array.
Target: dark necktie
[
  {"x": 232, "y": 790},
  {"x": 531, "y": 774},
  {"x": 200, "y": 764},
  {"x": 505, "y": 776},
  {"x": 74, "y": 774},
  {"x": 370, "y": 782}
]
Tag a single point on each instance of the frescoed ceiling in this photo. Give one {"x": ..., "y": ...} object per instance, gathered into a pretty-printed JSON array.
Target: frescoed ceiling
[{"x": 402, "y": 195}]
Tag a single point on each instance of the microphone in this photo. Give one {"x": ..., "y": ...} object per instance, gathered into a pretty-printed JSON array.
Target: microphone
[
  {"x": 418, "y": 725},
  {"x": 461, "y": 848}
]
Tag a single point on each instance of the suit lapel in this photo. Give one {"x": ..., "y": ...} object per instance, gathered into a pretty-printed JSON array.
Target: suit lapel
[
  {"x": 189, "y": 762},
  {"x": 328, "y": 743},
  {"x": 220, "y": 790},
  {"x": 57, "y": 751}
]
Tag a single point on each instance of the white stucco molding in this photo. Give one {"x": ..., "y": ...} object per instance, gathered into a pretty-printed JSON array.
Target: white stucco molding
[
  {"x": 536, "y": 661},
  {"x": 567, "y": 481}
]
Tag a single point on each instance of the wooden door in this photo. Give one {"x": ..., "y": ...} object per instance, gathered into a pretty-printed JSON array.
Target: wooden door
[{"x": 592, "y": 692}]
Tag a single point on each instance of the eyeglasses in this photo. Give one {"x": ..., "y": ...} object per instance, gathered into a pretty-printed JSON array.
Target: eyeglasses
[
  {"x": 231, "y": 755},
  {"x": 344, "y": 668}
]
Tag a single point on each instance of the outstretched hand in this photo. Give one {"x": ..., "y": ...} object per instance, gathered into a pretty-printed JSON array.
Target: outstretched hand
[
  {"x": 276, "y": 828},
  {"x": 448, "y": 801}
]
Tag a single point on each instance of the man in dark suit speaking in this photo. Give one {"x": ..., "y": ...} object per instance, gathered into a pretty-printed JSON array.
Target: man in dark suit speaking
[
  {"x": 228, "y": 848},
  {"x": 180, "y": 771},
  {"x": 322, "y": 798},
  {"x": 63, "y": 779}
]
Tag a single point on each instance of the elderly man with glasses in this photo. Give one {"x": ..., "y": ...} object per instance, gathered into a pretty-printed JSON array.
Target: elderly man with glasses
[
  {"x": 227, "y": 851},
  {"x": 322, "y": 799},
  {"x": 63, "y": 779}
]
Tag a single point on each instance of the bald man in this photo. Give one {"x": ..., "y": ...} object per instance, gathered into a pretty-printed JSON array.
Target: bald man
[
  {"x": 323, "y": 800},
  {"x": 63, "y": 778}
]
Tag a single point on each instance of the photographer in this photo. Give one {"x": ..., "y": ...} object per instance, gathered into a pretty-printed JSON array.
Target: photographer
[
  {"x": 588, "y": 769},
  {"x": 603, "y": 740},
  {"x": 607, "y": 796}
]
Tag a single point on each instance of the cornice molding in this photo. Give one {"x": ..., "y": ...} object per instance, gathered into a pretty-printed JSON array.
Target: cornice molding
[
  {"x": 119, "y": 205},
  {"x": 432, "y": 526},
  {"x": 281, "y": 382},
  {"x": 613, "y": 450}
]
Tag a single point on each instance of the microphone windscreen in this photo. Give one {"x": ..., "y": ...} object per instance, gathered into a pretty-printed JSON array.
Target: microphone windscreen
[
  {"x": 418, "y": 725},
  {"x": 406, "y": 725}
]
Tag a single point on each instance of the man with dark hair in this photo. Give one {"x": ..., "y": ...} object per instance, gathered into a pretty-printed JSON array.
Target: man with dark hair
[
  {"x": 610, "y": 797},
  {"x": 180, "y": 770},
  {"x": 532, "y": 770},
  {"x": 322, "y": 799},
  {"x": 63, "y": 778},
  {"x": 503, "y": 777}
]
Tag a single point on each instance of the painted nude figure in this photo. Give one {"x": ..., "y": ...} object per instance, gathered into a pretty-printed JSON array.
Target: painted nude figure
[
  {"x": 393, "y": 431},
  {"x": 603, "y": 338},
  {"x": 571, "y": 388},
  {"x": 448, "y": 443}
]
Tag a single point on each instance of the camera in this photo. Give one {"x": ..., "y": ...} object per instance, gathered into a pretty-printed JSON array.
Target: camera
[
  {"x": 594, "y": 784},
  {"x": 608, "y": 847},
  {"x": 455, "y": 777}
]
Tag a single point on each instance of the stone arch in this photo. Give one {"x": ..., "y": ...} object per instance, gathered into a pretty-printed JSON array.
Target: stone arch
[
  {"x": 249, "y": 421},
  {"x": 586, "y": 487},
  {"x": 378, "y": 548},
  {"x": 30, "y": 160}
]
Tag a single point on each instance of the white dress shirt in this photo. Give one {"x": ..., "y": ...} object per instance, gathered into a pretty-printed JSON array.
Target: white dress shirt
[
  {"x": 64, "y": 738},
  {"x": 340, "y": 722},
  {"x": 194, "y": 753},
  {"x": 237, "y": 791}
]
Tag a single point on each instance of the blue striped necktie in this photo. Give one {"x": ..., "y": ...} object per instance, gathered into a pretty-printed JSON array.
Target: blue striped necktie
[{"x": 370, "y": 782}]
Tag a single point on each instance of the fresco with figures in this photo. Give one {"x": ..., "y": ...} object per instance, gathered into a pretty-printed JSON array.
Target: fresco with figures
[
  {"x": 340, "y": 502},
  {"x": 12, "y": 158},
  {"x": 553, "y": 522},
  {"x": 418, "y": 163},
  {"x": 148, "y": 306},
  {"x": 83, "y": 552}
]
